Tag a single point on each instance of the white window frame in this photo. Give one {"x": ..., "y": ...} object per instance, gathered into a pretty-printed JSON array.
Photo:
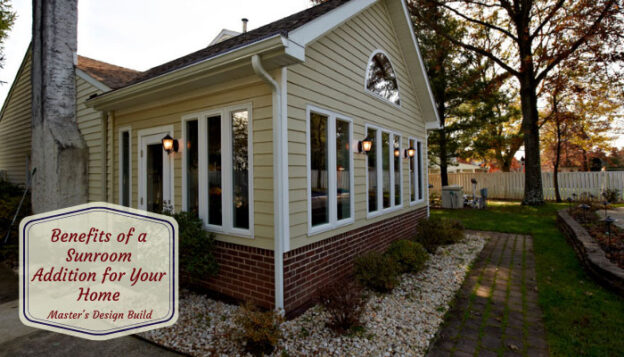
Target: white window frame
[
  {"x": 165, "y": 129},
  {"x": 379, "y": 152},
  {"x": 418, "y": 163},
  {"x": 331, "y": 172},
  {"x": 120, "y": 132},
  {"x": 373, "y": 94},
  {"x": 227, "y": 209}
]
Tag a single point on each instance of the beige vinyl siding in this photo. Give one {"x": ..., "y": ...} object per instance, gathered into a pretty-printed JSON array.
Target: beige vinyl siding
[
  {"x": 15, "y": 126},
  {"x": 240, "y": 91},
  {"x": 90, "y": 125},
  {"x": 332, "y": 78}
]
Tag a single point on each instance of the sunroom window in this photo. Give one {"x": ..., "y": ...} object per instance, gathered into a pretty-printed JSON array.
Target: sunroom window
[
  {"x": 416, "y": 179},
  {"x": 383, "y": 171},
  {"x": 381, "y": 79},
  {"x": 330, "y": 170},
  {"x": 218, "y": 153}
]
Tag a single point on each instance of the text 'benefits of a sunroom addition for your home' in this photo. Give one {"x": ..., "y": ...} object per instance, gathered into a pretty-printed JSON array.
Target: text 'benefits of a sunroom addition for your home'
[{"x": 98, "y": 271}]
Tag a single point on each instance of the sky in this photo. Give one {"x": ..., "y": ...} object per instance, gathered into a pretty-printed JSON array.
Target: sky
[{"x": 141, "y": 34}]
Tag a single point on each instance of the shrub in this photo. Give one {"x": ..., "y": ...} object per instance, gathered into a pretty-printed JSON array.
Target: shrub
[
  {"x": 196, "y": 246},
  {"x": 10, "y": 197},
  {"x": 434, "y": 232},
  {"x": 611, "y": 195},
  {"x": 344, "y": 302},
  {"x": 409, "y": 256},
  {"x": 258, "y": 330},
  {"x": 376, "y": 271}
]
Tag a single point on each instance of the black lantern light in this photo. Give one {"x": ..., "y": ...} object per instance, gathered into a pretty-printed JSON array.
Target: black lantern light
[
  {"x": 365, "y": 145},
  {"x": 608, "y": 221},
  {"x": 605, "y": 203},
  {"x": 585, "y": 208},
  {"x": 410, "y": 152},
  {"x": 569, "y": 203},
  {"x": 169, "y": 144}
]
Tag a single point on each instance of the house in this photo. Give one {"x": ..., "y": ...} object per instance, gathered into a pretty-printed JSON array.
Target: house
[{"x": 271, "y": 131}]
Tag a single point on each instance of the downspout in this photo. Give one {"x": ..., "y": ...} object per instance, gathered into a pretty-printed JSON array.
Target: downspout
[{"x": 279, "y": 209}]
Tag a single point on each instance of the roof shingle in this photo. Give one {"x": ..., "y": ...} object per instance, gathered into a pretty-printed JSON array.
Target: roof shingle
[{"x": 109, "y": 74}]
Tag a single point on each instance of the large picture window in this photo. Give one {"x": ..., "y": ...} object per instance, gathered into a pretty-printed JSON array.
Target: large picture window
[
  {"x": 218, "y": 153},
  {"x": 416, "y": 178},
  {"x": 330, "y": 170},
  {"x": 383, "y": 171}
]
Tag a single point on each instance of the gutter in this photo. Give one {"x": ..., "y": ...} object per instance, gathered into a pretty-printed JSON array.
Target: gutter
[{"x": 280, "y": 176}]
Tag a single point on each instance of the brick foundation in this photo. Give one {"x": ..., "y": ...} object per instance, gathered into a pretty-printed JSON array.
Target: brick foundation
[
  {"x": 309, "y": 268},
  {"x": 247, "y": 273}
]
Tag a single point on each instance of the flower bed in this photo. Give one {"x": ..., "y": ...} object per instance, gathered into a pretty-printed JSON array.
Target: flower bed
[
  {"x": 590, "y": 248},
  {"x": 402, "y": 322}
]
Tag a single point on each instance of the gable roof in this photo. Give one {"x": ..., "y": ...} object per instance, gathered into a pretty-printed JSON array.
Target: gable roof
[
  {"x": 293, "y": 33},
  {"x": 279, "y": 27},
  {"x": 112, "y": 76}
]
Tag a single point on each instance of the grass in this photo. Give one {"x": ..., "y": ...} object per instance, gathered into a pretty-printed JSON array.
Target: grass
[{"x": 580, "y": 316}]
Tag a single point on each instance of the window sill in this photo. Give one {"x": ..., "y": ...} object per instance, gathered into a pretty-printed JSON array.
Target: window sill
[
  {"x": 414, "y": 203},
  {"x": 382, "y": 212},
  {"x": 328, "y": 227},
  {"x": 235, "y": 233}
]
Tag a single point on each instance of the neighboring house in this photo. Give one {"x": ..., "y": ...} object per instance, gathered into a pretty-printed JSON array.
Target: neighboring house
[
  {"x": 270, "y": 123},
  {"x": 460, "y": 167},
  {"x": 92, "y": 77}
]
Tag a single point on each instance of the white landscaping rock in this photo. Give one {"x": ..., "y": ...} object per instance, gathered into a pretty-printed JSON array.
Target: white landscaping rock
[{"x": 401, "y": 323}]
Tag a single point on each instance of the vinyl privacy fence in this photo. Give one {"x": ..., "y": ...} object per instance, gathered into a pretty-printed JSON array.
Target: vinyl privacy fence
[{"x": 510, "y": 185}]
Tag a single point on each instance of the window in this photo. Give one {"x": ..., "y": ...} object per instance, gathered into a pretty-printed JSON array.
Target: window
[
  {"x": 381, "y": 79},
  {"x": 125, "y": 167},
  {"x": 218, "y": 169},
  {"x": 416, "y": 171},
  {"x": 383, "y": 167},
  {"x": 330, "y": 170}
]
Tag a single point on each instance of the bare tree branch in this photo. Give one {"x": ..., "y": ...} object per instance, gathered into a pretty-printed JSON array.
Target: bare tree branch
[
  {"x": 479, "y": 22},
  {"x": 548, "y": 17}
]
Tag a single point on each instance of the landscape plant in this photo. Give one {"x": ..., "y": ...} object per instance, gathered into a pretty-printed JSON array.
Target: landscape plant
[
  {"x": 434, "y": 232},
  {"x": 376, "y": 271},
  {"x": 259, "y": 331},
  {"x": 344, "y": 303},
  {"x": 409, "y": 256}
]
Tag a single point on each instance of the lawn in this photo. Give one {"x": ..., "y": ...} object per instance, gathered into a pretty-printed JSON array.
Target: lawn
[{"x": 581, "y": 317}]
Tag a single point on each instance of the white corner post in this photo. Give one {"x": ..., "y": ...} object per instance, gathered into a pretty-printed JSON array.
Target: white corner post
[{"x": 280, "y": 175}]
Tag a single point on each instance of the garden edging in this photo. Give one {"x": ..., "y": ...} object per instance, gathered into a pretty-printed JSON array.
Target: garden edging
[{"x": 590, "y": 254}]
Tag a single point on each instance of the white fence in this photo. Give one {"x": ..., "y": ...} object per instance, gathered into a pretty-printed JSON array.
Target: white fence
[{"x": 510, "y": 185}]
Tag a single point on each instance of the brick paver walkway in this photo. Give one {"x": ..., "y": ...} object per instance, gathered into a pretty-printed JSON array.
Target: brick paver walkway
[{"x": 496, "y": 311}]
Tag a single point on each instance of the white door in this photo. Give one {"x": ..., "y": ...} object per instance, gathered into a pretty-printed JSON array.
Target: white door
[{"x": 155, "y": 172}]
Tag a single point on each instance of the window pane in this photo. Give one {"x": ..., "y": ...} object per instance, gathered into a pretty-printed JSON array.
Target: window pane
[
  {"x": 412, "y": 161},
  {"x": 381, "y": 79},
  {"x": 240, "y": 169},
  {"x": 155, "y": 178},
  {"x": 214, "y": 170},
  {"x": 419, "y": 168},
  {"x": 125, "y": 169},
  {"x": 397, "y": 170},
  {"x": 192, "y": 167},
  {"x": 385, "y": 167},
  {"x": 372, "y": 171},
  {"x": 319, "y": 169},
  {"x": 343, "y": 170}
]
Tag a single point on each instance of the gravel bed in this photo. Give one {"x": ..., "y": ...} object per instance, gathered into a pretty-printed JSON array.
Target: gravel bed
[{"x": 401, "y": 323}]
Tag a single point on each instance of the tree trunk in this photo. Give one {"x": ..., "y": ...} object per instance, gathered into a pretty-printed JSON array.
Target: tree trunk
[
  {"x": 533, "y": 192},
  {"x": 556, "y": 164},
  {"x": 59, "y": 152},
  {"x": 443, "y": 158}
]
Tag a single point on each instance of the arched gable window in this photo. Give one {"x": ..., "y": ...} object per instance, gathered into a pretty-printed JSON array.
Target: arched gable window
[{"x": 381, "y": 79}]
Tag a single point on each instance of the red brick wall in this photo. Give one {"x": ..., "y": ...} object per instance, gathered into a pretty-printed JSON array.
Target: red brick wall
[
  {"x": 309, "y": 268},
  {"x": 245, "y": 274}
]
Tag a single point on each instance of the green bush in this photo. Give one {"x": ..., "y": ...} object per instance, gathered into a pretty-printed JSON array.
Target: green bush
[
  {"x": 10, "y": 196},
  {"x": 409, "y": 256},
  {"x": 434, "y": 232},
  {"x": 376, "y": 271},
  {"x": 258, "y": 330},
  {"x": 196, "y": 246},
  {"x": 611, "y": 195}
]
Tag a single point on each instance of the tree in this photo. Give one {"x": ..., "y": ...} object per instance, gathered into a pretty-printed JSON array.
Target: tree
[
  {"x": 59, "y": 152},
  {"x": 530, "y": 38},
  {"x": 7, "y": 19},
  {"x": 455, "y": 78}
]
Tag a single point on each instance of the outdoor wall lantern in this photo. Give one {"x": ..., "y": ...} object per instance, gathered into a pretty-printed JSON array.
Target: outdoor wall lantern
[
  {"x": 397, "y": 152},
  {"x": 410, "y": 152},
  {"x": 365, "y": 145},
  {"x": 169, "y": 144}
]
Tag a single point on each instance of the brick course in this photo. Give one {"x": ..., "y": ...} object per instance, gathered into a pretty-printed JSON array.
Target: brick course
[{"x": 247, "y": 273}]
